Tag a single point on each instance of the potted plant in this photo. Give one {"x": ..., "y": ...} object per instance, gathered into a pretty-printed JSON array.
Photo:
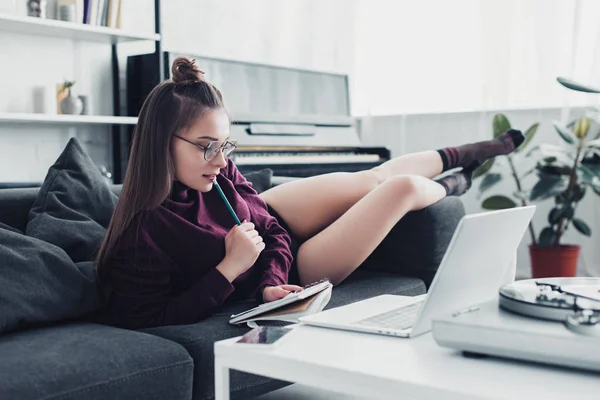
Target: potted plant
[
  {"x": 566, "y": 174},
  {"x": 562, "y": 173},
  {"x": 491, "y": 176},
  {"x": 69, "y": 104}
]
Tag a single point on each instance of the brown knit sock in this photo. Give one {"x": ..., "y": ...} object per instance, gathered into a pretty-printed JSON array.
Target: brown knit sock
[
  {"x": 458, "y": 183},
  {"x": 471, "y": 154}
]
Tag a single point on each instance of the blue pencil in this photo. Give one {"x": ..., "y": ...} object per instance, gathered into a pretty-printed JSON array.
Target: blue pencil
[{"x": 235, "y": 217}]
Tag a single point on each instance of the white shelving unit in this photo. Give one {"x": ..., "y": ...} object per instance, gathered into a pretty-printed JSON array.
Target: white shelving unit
[
  {"x": 60, "y": 119},
  {"x": 69, "y": 30},
  {"x": 86, "y": 33}
]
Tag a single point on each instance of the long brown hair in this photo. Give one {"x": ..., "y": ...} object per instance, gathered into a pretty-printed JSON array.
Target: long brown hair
[{"x": 171, "y": 107}]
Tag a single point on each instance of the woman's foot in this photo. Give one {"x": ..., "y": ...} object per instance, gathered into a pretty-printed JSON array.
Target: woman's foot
[
  {"x": 473, "y": 154},
  {"x": 458, "y": 183}
]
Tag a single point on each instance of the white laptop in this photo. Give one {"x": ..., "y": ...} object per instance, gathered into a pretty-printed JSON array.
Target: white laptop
[{"x": 475, "y": 265}]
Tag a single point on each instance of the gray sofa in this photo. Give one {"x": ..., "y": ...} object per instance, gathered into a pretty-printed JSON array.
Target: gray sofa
[{"x": 74, "y": 358}]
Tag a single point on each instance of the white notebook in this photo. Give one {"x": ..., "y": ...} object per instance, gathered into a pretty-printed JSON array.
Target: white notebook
[{"x": 312, "y": 299}]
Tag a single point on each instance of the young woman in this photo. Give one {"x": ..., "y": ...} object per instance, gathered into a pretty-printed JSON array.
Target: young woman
[{"x": 173, "y": 253}]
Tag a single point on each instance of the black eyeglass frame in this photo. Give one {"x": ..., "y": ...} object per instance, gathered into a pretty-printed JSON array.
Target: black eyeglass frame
[{"x": 205, "y": 149}]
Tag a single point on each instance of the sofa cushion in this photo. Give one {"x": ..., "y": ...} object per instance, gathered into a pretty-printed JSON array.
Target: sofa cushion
[
  {"x": 199, "y": 338},
  {"x": 15, "y": 205},
  {"x": 89, "y": 361},
  {"x": 417, "y": 243},
  {"x": 74, "y": 205},
  {"x": 261, "y": 180},
  {"x": 39, "y": 283}
]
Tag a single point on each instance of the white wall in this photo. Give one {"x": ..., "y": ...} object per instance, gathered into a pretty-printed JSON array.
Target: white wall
[{"x": 309, "y": 34}]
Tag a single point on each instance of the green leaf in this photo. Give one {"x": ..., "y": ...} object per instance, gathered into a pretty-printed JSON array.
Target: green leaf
[
  {"x": 568, "y": 212},
  {"x": 489, "y": 181},
  {"x": 498, "y": 203},
  {"x": 554, "y": 215},
  {"x": 576, "y": 86},
  {"x": 564, "y": 132},
  {"x": 589, "y": 175},
  {"x": 557, "y": 213},
  {"x": 554, "y": 170},
  {"x": 546, "y": 187},
  {"x": 582, "y": 227},
  {"x": 578, "y": 192},
  {"x": 485, "y": 167},
  {"x": 547, "y": 237},
  {"x": 582, "y": 127},
  {"x": 528, "y": 136},
  {"x": 500, "y": 124}
]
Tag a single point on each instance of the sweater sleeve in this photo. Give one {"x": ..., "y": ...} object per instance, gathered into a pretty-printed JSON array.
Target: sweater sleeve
[
  {"x": 273, "y": 264},
  {"x": 141, "y": 291}
]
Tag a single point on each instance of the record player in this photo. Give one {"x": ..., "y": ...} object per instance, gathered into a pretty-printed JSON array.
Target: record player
[{"x": 550, "y": 320}]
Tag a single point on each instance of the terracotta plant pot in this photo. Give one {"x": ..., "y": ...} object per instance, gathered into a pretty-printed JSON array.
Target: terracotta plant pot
[{"x": 559, "y": 261}]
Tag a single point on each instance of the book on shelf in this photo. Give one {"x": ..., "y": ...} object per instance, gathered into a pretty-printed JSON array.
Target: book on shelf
[
  {"x": 102, "y": 13},
  {"x": 312, "y": 299}
]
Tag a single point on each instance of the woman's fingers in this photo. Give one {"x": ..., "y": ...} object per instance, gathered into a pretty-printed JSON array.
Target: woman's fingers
[
  {"x": 292, "y": 288},
  {"x": 252, "y": 233},
  {"x": 281, "y": 292}
]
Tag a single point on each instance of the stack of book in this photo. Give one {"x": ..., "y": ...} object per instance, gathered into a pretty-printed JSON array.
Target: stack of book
[{"x": 91, "y": 12}]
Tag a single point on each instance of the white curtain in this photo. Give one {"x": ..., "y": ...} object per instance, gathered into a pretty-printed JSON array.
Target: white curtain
[
  {"x": 432, "y": 73},
  {"x": 433, "y": 56}
]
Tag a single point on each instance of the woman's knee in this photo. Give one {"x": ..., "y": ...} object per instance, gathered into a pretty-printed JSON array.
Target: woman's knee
[
  {"x": 378, "y": 175},
  {"x": 402, "y": 185},
  {"x": 412, "y": 189}
]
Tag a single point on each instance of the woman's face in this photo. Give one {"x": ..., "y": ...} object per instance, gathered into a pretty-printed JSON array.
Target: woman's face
[{"x": 191, "y": 168}]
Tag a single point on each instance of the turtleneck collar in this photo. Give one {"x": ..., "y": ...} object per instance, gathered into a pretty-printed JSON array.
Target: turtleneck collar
[{"x": 182, "y": 193}]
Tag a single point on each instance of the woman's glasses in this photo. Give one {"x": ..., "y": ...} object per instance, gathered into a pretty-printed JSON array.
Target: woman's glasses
[{"x": 213, "y": 148}]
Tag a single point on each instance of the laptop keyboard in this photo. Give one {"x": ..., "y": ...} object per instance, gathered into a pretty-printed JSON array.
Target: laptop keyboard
[{"x": 398, "y": 318}]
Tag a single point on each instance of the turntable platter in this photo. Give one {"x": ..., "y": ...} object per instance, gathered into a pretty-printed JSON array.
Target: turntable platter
[{"x": 551, "y": 298}]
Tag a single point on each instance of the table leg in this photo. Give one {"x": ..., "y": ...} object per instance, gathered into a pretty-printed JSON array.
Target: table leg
[{"x": 221, "y": 381}]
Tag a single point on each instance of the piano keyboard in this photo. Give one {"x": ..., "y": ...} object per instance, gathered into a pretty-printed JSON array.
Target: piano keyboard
[{"x": 303, "y": 158}]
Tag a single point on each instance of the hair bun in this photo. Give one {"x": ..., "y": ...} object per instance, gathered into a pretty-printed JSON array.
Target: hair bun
[{"x": 185, "y": 70}]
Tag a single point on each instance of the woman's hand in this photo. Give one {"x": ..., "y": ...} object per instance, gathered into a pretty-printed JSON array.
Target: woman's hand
[
  {"x": 272, "y": 293},
  {"x": 243, "y": 245}
]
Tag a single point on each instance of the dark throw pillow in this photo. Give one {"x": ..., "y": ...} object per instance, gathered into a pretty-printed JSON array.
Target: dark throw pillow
[
  {"x": 39, "y": 283},
  {"x": 260, "y": 180},
  {"x": 74, "y": 205}
]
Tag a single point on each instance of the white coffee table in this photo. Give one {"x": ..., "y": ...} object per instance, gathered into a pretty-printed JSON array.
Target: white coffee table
[{"x": 382, "y": 367}]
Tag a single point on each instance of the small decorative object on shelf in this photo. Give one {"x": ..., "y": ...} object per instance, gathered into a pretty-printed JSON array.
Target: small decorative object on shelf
[
  {"x": 86, "y": 105},
  {"x": 44, "y": 100},
  {"x": 67, "y": 11},
  {"x": 70, "y": 104},
  {"x": 37, "y": 8}
]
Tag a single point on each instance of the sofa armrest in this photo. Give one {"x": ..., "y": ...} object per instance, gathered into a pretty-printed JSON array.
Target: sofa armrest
[{"x": 418, "y": 242}]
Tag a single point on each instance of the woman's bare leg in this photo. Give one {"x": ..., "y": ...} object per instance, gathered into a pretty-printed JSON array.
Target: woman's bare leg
[
  {"x": 311, "y": 204},
  {"x": 424, "y": 163},
  {"x": 341, "y": 247}
]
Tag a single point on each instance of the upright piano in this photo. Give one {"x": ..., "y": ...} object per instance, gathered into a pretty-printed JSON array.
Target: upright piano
[{"x": 295, "y": 122}]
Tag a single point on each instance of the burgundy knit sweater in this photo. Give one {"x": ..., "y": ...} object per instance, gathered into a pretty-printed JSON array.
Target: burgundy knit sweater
[{"x": 162, "y": 271}]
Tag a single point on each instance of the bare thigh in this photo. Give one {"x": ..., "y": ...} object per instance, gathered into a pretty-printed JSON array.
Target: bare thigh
[
  {"x": 341, "y": 247},
  {"x": 309, "y": 205}
]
